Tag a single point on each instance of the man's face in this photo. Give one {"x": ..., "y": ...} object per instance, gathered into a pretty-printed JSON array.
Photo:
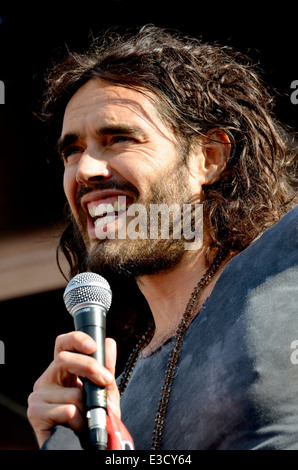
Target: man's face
[{"x": 116, "y": 147}]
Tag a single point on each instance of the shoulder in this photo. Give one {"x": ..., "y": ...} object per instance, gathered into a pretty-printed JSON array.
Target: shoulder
[
  {"x": 284, "y": 232},
  {"x": 269, "y": 263},
  {"x": 273, "y": 251}
]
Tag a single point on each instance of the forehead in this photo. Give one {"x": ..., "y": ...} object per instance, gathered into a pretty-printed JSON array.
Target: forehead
[{"x": 103, "y": 103}]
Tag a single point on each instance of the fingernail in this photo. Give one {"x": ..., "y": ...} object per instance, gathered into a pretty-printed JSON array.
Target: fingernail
[
  {"x": 107, "y": 376},
  {"x": 89, "y": 345}
]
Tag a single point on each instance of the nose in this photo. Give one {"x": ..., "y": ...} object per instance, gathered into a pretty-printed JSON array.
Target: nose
[{"x": 91, "y": 168}]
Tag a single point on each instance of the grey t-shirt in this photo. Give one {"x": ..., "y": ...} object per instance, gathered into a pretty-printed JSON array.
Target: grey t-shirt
[{"x": 236, "y": 383}]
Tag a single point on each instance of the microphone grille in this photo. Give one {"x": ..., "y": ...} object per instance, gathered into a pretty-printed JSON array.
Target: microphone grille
[{"x": 87, "y": 288}]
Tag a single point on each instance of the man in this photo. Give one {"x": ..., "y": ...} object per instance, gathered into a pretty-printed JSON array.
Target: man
[{"x": 159, "y": 119}]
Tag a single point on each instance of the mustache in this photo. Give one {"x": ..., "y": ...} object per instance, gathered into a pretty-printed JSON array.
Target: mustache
[{"x": 107, "y": 184}]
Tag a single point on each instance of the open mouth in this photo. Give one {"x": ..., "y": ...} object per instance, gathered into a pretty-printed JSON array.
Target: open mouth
[{"x": 106, "y": 211}]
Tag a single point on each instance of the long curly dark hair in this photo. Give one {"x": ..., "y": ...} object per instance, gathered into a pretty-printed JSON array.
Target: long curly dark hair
[{"x": 200, "y": 88}]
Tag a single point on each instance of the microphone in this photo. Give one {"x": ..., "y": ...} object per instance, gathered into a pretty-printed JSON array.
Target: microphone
[{"x": 88, "y": 298}]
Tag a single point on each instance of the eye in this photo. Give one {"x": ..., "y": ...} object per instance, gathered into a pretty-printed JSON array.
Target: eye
[{"x": 69, "y": 151}]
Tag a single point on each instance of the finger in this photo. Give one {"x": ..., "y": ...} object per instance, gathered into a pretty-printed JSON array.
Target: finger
[
  {"x": 58, "y": 395},
  {"x": 44, "y": 417},
  {"x": 75, "y": 341},
  {"x": 55, "y": 405},
  {"x": 67, "y": 366},
  {"x": 78, "y": 341},
  {"x": 65, "y": 413}
]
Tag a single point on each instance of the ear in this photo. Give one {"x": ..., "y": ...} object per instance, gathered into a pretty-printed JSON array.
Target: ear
[
  {"x": 215, "y": 154},
  {"x": 207, "y": 160}
]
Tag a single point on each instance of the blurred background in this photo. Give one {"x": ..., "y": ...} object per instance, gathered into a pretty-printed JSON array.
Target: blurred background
[{"x": 32, "y": 312}]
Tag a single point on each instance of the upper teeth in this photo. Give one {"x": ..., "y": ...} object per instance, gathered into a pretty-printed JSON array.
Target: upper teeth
[{"x": 102, "y": 208}]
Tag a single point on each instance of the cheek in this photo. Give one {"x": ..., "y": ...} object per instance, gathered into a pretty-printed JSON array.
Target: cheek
[
  {"x": 139, "y": 169},
  {"x": 70, "y": 188}
]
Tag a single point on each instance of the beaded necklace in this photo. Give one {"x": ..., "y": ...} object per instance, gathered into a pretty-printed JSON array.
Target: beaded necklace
[{"x": 174, "y": 354}]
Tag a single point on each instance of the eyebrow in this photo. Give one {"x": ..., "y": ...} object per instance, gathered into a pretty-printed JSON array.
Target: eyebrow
[
  {"x": 109, "y": 130},
  {"x": 127, "y": 129}
]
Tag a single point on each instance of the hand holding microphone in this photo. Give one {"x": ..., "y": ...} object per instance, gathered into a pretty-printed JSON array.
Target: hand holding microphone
[
  {"x": 88, "y": 297},
  {"x": 57, "y": 394}
]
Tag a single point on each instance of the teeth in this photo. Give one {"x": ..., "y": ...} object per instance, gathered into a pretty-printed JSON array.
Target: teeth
[
  {"x": 122, "y": 205},
  {"x": 102, "y": 208},
  {"x": 104, "y": 220}
]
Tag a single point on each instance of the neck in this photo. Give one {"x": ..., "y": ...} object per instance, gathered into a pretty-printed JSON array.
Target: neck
[{"x": 168, "y": 292}]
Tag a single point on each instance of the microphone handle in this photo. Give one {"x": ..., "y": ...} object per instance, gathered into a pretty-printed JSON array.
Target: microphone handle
[{"x": 92, "y": 320}]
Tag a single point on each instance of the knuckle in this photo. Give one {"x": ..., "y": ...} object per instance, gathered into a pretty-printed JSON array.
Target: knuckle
[
  {"x": 33, "y": 408},
  {"x": 35, "y": 386},
  {"x": 31, "y": 412},
  {"x": 59, "y": 341},
  {"x": 61, "y": 358},
  {"x": 73, "y": 417},
  {"x": 39, "y": 383},
  {"x": 70, "y": 411},
  {"x": 31, "y": 399}
]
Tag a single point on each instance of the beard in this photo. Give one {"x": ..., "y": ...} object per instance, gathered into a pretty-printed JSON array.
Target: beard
[{"x": 132, "y": 258}]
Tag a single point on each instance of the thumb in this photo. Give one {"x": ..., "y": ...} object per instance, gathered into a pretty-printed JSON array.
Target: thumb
[
  {"x": 112, "y": 388},
  {"x": 111, "y": 355}
]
